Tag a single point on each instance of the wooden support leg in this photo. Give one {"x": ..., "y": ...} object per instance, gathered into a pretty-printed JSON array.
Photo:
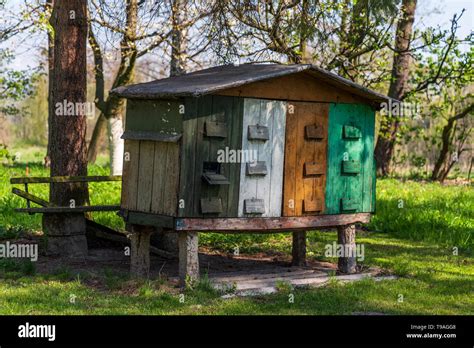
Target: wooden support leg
[
  {"x": 299, "y": 248},
  {"x": 346, "y": 238},
  {"x": 140, "y": 251},
  {"x": 188, "y": 257}
]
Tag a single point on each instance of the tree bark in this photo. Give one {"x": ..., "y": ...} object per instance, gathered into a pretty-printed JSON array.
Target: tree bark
[
  {"x": 113, "y": 108},
  {"x": 299, "y": 249},
  {"x": 449, "y": 130},
  {"x": 47, "y": 159},
  {"x": 398, "y": 87},
  {"x": 66, "y": 232},
  {"x": 178, "y": 37},
  {"x": 115, "y": 131},
  {"x": 346, "y": 238},
  {"x": 96, "y": 138}
]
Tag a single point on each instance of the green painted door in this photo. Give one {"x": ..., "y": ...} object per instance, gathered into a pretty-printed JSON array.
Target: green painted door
[{"x": 350, "y": 185}]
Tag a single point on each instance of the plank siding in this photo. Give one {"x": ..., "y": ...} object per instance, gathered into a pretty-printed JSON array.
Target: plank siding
[
  {"x": 165, "y": 176},
  {"x": 297, "y": 87},
  {"x": 303, "y": 193},
  {"x": 350, "y": 192},
  {"x": 197, "y": 149},
  {"x": 145, "y": 175},
  {"x": 161, "y": 116},
  {"x": 267, "y": 187},
  {"x": 130, "y": 175}
]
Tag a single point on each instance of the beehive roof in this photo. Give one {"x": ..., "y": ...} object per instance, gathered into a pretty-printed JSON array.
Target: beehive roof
[{"x": 222, "y": 77}]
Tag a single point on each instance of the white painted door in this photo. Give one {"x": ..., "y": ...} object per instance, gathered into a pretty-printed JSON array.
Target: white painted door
[{"x": 261, "y": 182}]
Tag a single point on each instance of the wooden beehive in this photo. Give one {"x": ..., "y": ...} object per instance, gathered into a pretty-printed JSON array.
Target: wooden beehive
[{"x": 302, "y": 140}]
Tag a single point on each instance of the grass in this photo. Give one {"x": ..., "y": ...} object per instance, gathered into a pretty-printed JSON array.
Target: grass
[
  {"x": 414, "y": 241},
  {"x": 11, "y": 223},
  {"x": 432, "y": 281}
]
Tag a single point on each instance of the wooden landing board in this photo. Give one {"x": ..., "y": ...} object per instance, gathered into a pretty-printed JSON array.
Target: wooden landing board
[
  {"x": 305, "y": 158},
  {"x": 282, "y": 224},
  {"x": 267, "y": 184}
]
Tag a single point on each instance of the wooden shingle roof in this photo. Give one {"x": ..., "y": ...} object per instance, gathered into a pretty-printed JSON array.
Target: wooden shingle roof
[{"x": 212, "y": 80}]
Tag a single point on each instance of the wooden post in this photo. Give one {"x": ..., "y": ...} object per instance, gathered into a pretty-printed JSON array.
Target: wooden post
[
  {"x": 346, "y": 238},
  {"x": 299, "y": 248},
  {"x": 188, "y": 243},
  {"x": 140, "y": 251}
]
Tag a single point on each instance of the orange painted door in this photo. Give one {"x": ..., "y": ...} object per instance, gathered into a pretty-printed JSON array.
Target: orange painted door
[{"x": 305, "y": 158}]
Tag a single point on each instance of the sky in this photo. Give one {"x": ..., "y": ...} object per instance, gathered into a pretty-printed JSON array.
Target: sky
[{"x": 429, "y": 13}]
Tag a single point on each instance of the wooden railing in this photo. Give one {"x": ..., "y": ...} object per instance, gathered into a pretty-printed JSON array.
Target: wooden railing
[{"x": 47, "y": 207}]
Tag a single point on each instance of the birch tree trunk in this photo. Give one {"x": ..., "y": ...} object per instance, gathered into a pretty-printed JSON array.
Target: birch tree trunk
[{"x": 116, "y": 144}]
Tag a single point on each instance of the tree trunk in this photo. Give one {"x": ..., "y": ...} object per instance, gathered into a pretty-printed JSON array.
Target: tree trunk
[
  {"x": 346, "y": 238},
  {"x": 470, "y": 169},
  {"x": 398, "y": 86},
  {"x": 66, "y": 232},
  {"x": 442, "y": 167},
  {"x": 96, "y": 138},
  {"x": 47, "y": 159},
  {"x": 178, "y": 38},
  {"x": 113, "y": 108},
  {"x": 115, "y": 131},
  {"x": 447, "y": 136}
]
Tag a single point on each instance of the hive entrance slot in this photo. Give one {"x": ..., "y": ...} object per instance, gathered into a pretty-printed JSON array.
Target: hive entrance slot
[
  {"x": 258, "y": 132},
  {"x": 257, "y": 168},
  {"x": 254, "y": 206},
  {"x": 212, "y": 174},
  {"x": 314, "y": 132},
  {"x": 351, "y": 132},
  {"x": 215, "y": 129}
]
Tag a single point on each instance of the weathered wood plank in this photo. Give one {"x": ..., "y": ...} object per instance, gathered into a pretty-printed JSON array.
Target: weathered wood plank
[
  {"x": 47, "y": 180},
  {"x": 235, "y": 142},
  {"x": 170, "y": 200},
  {"x": 161, "y": 116},
  {"x": 346, "y": 181},
  {"x": 297, "y": 87},
  {"x": 30, "y": 197},
  {"x": 289, "y": 187},
  {"x": 145, "y": 175},
  {"x": 203, "y": 148},
  {"x": 79, "y": 209},
  {"x": 265, "y": 151},
  {"x": 154, "y": 136},
  {"x": 248, "y": 185},
  {"x": 222, "y": 114},
  {"x": 187, "y": 164},
  {"x": 275, "y": 195},
  {"x": 159, "y": 178},
  {"x": 140, "y": 218},
  {"x": 268, "y": 224},
  {"x": 268, "y": 185},
  {"x": 305, "y": 158},
  {"x": 130, "y": 175}
]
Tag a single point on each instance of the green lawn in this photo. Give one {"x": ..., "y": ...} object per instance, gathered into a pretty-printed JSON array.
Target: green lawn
[{"x": 414, "y": 240}]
